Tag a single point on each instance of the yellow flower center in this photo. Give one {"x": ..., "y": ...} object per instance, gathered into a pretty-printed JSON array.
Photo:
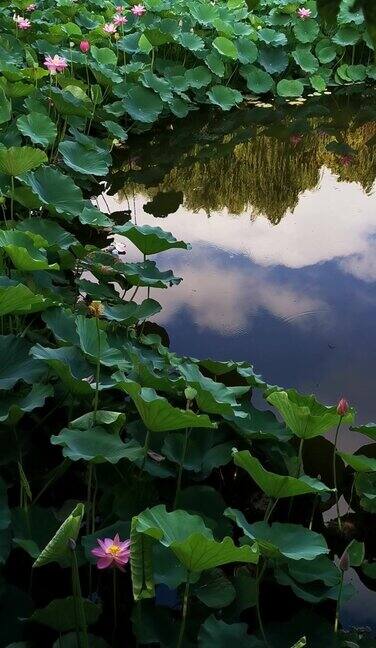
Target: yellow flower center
[{"x": 113, "y": 550}]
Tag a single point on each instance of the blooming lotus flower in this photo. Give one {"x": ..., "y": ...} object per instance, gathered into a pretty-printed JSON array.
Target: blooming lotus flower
[
  {"x": 138, "y": 10},
  {"x": 109, "y": 28},
  {"x": 120, "y": 20},
  {"x": 304, "y": 13},
  {"x": 31, "y": 7},
  {"x": 342, "y": 407},
  {"x": 346, "y": 160},
  {"x": 85, "y": 46},
  {"x": 23, "y": 23},
  {"x": 112, "y": 553},
  {"x": 55, "y": 64}
]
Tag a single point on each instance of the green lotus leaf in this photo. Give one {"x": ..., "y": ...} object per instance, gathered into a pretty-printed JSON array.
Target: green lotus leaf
[
  {"x": 215, "y": 633},
  {"x": 272, "y": 37},
  {"x": 203, "y": 13},
  {"x": 306, "y": 31},
  {"x": 38, "y": 127},
  {"x": 190, "y": 540},
  {"x": 60, "y": 614},
  {"x": 290, "y": 88},
  {"x": 272, "y": 59},
  {"x": 243, "y": 369},
  {"x": 93, "y": 444},
  {"x": 325, "y": 51},
  {"x": 204, "y": 452},
  {"x": 224, "y": 97},
  {"x": 52, "y": 233},
  {"x": 314, "y": 592},
  {"x": 70, "y": 365},
  {"x": 17, "y": 160},
  {"x": 281, "y": 540},
  {"x": 95, "y": 346},
  {"x": 159, "y": 85},
  {"x": 277, "y": 486},
  {"x": 62, "y": 323},
  {"x": 13, "y": 406},
  {"x": 150, "y": 240},
  {"x": 358, "y": 462},
  {"x": 147, "y": 274},
  {"x": 198, "y": 77},
  {"x": 5, "y": 107},
  {"x": 23, "y": 253},
  {"x": 70, "y": 101},
  {"x": 156, "y": 412},
  {"x": 190, "y": 41},
  {"x": 225, "y": 47},
  {"x": 215, "y": 64},
  {"x": 365, "y": 486},
  {"x": 212, "y": 397},
  {"x": 258, "y": 80},
  {"x": 214, "y": 590},
  {"x": 92, "y": 216},
  {"x": 20, "y": 300},
  {"x": 259, "y": 425},
  {"x": 142, "y": 104},
  {"x": 131, "y": 312},
  {"x": 318, "y": 83},
  {"x": 304, "y": 415},
  {"x": 33, "y": 528},
  {"x": 356, "y": 553},
  {"x": 305, "y": 59},
  {"x": 57, "y": 190},
  {"x": 104, "y": 55},
  {"x": 247, "y": 50},
  {"x": 16, "y": 363},
  {"x": 83, "y": 159},
  {"x": 141, "y": 564},
  {"x": 58, "y": 549},
  {"x": 368, "y": 430},
  {"x": 347, "y": 35}
]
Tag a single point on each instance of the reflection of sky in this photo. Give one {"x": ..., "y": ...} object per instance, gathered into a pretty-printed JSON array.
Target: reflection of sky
[{"x": 296, "y": 299}]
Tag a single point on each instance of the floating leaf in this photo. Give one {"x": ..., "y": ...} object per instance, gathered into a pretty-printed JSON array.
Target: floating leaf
[
  {"x": 290, "y": 88},
  {"x": 85, "y": 160}
]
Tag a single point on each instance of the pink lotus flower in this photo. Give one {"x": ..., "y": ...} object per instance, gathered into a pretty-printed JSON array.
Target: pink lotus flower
[
  {"x": 342, "y": 407},
  {"x": 346, "y": 160},
  {"x": 112, "y": 553},
  {"x": 55, "y": 64},
  {"x": 24, "y": 23},
  {"x": 119, "y": 20},
  {"x": 31, "y": 7},
  {"x": 109, "y": 28},
  {"x": 138, "y": 10},
  {"x": 84, "y": 46},
  {"x": 296, "y": 139},
  {"x": 304, "y": 13}
]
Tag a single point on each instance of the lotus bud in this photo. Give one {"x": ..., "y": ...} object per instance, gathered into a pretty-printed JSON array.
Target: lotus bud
[
  {"x": 85, "y": 46},
  {"x": 190, "y": 393},
  {"x": 71, "y": 44},
  {"x": 344, "y": 563},
  {"x": 342, "y": 407}
]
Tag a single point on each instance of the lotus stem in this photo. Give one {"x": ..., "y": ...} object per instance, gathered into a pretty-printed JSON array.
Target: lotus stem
[
  {"x": 97, "y": 377},
  {"x": 259, "y": 576},
  {"x": 300, "y": 458},
  {"x": 114, "y": 583},
  {"x": 181, "y": 467},
  {"x": 335, "y": 473},
  {"x": 81, "y": 627},
  {"x": 338, "y": 608},
  {"x": 185, "y": 610}
]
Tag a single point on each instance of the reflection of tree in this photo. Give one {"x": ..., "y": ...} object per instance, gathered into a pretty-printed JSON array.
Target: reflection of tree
[{"x": 266, "y": 174}]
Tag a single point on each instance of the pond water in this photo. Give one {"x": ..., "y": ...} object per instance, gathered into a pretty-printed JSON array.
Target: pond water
[{"x": 280, "y": 208}]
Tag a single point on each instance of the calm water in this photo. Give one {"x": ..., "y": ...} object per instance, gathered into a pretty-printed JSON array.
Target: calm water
[{"x": 280, "y": 209}]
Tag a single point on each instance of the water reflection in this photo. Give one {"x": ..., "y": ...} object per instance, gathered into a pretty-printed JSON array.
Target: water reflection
[{"x": 292, "y": 291}]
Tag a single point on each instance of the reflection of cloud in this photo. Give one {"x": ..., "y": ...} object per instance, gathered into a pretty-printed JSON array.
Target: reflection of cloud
[
  {"x": 224, "y": 299},
  {"x": 337, "y": 220},
  {"x": 362, "y": 266}
]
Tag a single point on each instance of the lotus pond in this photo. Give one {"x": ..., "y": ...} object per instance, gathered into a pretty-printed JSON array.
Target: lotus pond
[{"x": 177, "y": 279}]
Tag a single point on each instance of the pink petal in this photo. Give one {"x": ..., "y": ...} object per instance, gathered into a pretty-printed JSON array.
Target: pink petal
[
  {"x": 101, "y": 544},
  {"x": 100, "y": 553},
  {"x": 103, "y": 563},
  {"x": 117, "y": 539}
]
